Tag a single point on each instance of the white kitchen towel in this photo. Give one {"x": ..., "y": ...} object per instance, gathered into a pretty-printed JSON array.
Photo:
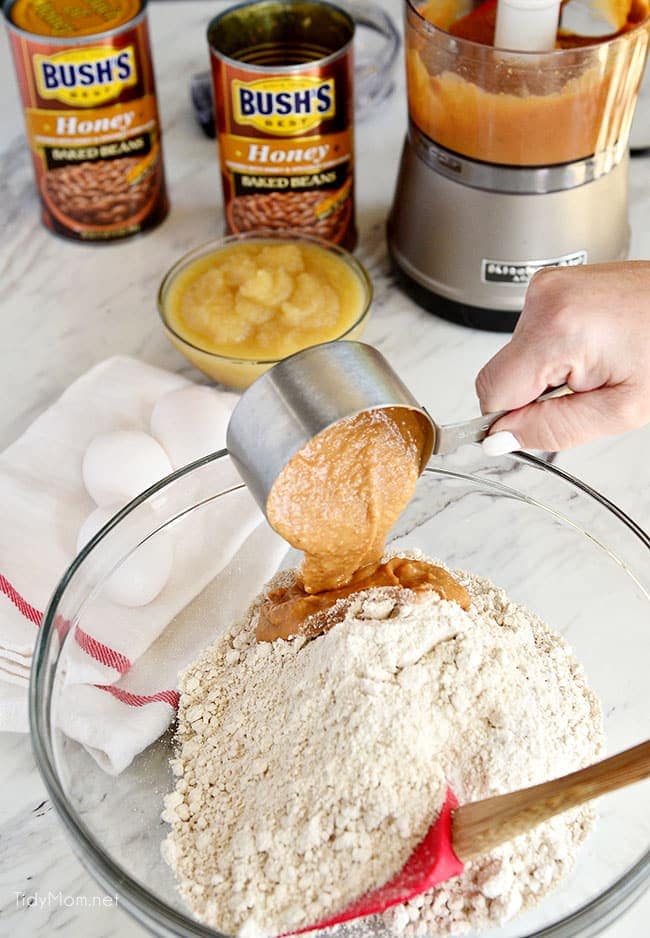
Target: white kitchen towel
[{"x": 120, "y": 666}]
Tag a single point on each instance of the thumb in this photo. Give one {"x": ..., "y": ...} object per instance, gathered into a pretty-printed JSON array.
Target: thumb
[{"x": 564, "y": 421}]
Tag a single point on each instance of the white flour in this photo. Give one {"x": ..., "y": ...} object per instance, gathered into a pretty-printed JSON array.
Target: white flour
[{"x": 308, "y": 771}]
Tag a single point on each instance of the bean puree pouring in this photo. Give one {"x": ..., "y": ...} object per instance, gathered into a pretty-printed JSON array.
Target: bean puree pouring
[{"x": 332, "y": 432}]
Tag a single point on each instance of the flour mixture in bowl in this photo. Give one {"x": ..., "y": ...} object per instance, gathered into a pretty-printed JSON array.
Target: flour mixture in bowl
[{"x": 309, "y": 769}]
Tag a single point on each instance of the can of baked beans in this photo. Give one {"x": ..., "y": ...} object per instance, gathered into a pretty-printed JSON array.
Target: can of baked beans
[
  {"x": 87, "y": 86},
  {"x": 282, "y": 74}
]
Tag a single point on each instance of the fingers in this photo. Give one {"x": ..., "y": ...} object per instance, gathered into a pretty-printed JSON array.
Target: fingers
[
  {"x": 565, "y": 421},
  {"x": 588, "y": 328},
  {"x": 500, "y": 443},
  {"x": 544, "y": 350},
  {"x": 511, "y": 379}
]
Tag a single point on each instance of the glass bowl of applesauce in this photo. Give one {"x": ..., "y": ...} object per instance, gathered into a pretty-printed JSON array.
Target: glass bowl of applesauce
[
  {"x": 553, "y": 544},
  {"x": 236, "y": 306}
]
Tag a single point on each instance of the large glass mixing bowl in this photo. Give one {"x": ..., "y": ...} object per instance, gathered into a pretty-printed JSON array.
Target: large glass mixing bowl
[{"x": 550, "y": 541}]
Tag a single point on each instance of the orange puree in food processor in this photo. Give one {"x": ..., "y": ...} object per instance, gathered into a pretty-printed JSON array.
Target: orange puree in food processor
[{"x": 521, "y": 109}]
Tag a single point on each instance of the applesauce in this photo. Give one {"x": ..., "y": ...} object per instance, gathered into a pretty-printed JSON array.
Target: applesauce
[{"x": 235, "y": 307}]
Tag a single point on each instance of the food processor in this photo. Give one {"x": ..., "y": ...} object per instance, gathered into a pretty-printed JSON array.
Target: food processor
[{"x": 513, "y": 160}]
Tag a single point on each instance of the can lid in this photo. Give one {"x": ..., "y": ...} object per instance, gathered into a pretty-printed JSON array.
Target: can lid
[{"x": 61, "y": 19}]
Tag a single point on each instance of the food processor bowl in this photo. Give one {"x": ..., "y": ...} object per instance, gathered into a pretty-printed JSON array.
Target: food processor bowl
[
  {"x": 550, "y": 541},
  {"x": 521, "y": 108}
]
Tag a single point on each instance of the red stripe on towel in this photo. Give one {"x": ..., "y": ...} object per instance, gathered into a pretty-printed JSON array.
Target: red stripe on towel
[
  {"x": 170, "y": 697},
  {"x": 100, "y": 652},
  {"x": 93, "y": 648},
  {"x": 88, "y": 644},
  {"x": 26, "y": 609}
]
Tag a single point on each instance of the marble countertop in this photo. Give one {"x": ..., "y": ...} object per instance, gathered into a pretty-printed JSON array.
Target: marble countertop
[{"x": 66, "y": 306}]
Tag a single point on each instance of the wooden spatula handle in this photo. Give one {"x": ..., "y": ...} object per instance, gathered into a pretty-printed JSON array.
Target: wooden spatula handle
[{"x": 480, "y": 826}]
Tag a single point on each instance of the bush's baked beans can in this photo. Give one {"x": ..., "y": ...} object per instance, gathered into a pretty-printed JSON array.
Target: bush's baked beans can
[
  {"x": 282, "y": 74},
  {"x": 87, "y": 85}
]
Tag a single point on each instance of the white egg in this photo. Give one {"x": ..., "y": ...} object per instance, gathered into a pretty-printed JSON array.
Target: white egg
[
  {"x": 191, "y": 422},
  {"x": 95, "y": 520},
  {"x": 143, "y": 574},
  {"x": 120, "y": 464}
]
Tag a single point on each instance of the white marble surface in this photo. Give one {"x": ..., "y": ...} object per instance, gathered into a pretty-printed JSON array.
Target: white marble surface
[{"x": 67, "y": 306}]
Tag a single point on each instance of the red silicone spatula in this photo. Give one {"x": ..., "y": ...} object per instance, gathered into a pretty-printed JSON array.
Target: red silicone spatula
[{"x": 461, "y": 834}]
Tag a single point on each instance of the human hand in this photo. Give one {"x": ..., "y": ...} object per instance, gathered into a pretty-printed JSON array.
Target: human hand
[{"x": 588, "y": 327}]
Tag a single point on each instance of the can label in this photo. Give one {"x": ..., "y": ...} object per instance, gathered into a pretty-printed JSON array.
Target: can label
[
  {"x": 284, "y": 108},
  {"x": 286, "y": 146},
  {"x": 85, "y": 77},
  {"x": 92, "y": 124}
]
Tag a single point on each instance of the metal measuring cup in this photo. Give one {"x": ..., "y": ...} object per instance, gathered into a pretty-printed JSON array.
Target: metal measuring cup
[{"x": 306, "y": 393}]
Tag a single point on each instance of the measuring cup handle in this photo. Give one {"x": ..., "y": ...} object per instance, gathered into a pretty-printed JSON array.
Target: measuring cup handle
[{"x": 452, "y": 435}]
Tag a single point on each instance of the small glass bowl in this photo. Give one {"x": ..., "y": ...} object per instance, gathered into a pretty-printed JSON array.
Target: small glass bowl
[{"x": 238, "y": 373}]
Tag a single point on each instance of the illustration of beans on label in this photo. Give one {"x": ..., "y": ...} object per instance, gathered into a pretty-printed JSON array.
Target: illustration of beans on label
[{"x": 87, "y": 86}]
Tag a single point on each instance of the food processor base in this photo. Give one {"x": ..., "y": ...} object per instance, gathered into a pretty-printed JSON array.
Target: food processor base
[
  {"x": 476, "y": 317},
  {"x": 468, "y": 253}
]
